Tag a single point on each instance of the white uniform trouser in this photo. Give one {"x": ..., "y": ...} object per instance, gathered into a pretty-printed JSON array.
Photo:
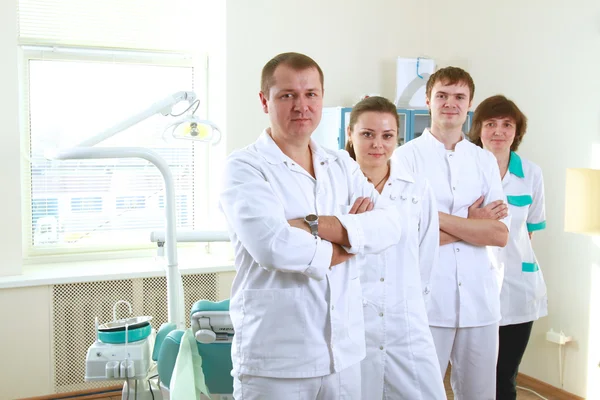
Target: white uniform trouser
[
  {"x": 473, "y": 353},
  {"x": 344, "y": 385}
]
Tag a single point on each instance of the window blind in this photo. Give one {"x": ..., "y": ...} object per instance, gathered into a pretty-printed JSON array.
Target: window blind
[{"x": 163, "y": 25}]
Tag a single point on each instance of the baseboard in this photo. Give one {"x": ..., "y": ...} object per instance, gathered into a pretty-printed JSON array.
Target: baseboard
[
  {"x": 83, "y": 394},
  {"x": 545, "y": 389}
]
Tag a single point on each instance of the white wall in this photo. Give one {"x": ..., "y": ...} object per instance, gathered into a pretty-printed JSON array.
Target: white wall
[
  {"x": 355, "y": 43},
  {"x": 543, "y": 54},
  {"x": 10, "y": 201},
  {"x": 25, "y": 342}
]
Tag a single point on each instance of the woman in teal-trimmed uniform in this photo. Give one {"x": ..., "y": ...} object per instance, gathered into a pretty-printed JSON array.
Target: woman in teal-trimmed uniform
[{"x": 499, "y": 126}]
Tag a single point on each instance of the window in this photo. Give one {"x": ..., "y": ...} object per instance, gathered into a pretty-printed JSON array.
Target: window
[
  {"x": 86, "y": 204},
  {"x": 86, "y": 71},
  {"x": 181, "y": 201}
]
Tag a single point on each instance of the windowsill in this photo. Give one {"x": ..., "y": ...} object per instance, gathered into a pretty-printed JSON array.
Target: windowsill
[{"x": 89, "y": 271}]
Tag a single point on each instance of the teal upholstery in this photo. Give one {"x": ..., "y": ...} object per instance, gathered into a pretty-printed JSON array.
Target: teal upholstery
[
  {"x": 217, "y": 366},
  {"x": 206, "y": 305},
  {"x": 168, "y": 355},
  {"x": 163, "y": 331},
  {"x": 216, "y": 357}
]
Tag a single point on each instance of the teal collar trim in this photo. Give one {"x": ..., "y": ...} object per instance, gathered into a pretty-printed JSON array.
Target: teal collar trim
[
  {"x": 515, "y": 165},
  {"x": 519, "y": 201}
]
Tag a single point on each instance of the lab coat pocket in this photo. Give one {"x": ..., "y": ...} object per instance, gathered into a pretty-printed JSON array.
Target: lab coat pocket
[
  {"x": 534, "y": 285},
  {"x": 273, "y": 326}
]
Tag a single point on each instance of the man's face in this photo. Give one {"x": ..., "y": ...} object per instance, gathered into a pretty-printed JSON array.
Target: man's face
[
  {"x": 449, "y": 104},
  {"x": 294, "y": 102}
]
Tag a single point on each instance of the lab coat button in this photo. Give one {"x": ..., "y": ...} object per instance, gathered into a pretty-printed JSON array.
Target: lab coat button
[
  {"x": 381, "y": 279},
  {"x": 403, "y": 197},
  {"x": 457, "y": 250},
  {"x": 380, "y": 347},
  {"x": 415, "y": 200},
  {"x": 393, "y": 196},
  {"x": 332, "y": 308},
  {"x": 459, "y": 283},
  {"x": 453, "y": 187},
  {"x": 322, "y": 162},
  {"x": 381, "y": 314},
  {"x": 426, "y": 291}
]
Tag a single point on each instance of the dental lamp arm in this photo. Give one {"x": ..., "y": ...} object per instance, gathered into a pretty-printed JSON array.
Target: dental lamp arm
[
  {"x": 85, "y": 150},
  {"x": 174, "y": 294},
  {"x": 163, "y": 107}
]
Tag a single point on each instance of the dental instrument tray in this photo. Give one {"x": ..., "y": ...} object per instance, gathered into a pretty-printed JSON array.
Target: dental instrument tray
[
  {"x": 129, "y": 336},
  {"x": 123, "y": 331},
  {"x": 130, "y": 323}
]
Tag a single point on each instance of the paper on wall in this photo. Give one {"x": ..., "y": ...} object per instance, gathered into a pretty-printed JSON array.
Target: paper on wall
[{"x": 411, "y": 78}]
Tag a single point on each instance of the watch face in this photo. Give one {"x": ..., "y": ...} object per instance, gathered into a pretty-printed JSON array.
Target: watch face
[{"x": 311, "y": 218}]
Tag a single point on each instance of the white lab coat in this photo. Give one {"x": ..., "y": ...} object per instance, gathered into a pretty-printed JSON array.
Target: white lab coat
[
  {"x": 293, "y": 316},
  {"x": 464, "y": 290},
  {"x": 401, "y": 362},
  {"x": 523, "y": 295}
]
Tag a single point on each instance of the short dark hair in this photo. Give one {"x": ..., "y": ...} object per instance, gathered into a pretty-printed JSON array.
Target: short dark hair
[
  {"x": 498, "y": 107},
  {"x": 296, "y": 61},
  {"x": 374, "y": 104},
  {"x": 450, "y": 76}
]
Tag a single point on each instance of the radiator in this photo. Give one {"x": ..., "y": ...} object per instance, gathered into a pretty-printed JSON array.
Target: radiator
[{"x": 74, "y": 306}]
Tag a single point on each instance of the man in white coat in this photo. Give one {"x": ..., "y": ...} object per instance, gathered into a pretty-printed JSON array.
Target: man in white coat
[
  {"x": 297, "y": 213},
  {"x": 462, "y": 295}
]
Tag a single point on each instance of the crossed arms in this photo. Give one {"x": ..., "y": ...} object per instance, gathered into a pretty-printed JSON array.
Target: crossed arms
[
  {"x": 482, "y": 227},
  {"x": 257, "y": 217},
  {"x": 332, "y": 230}
]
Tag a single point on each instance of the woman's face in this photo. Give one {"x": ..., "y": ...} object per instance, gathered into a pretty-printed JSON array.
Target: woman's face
[
  {"x": 374, "y": 138},
  {"x": 498, "y": 134}
]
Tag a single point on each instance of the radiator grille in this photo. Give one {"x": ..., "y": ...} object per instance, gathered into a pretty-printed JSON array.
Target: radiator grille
[{"x": 76, "y": 304}]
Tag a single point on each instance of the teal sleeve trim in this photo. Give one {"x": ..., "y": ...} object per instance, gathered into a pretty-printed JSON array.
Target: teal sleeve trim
[
  {"x": 529, "y": 267},
  {"x": 520, "y": 201},
  {"x": 536, "y": 227}
]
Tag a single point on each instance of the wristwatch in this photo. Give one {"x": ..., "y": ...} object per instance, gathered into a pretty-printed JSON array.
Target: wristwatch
[{"x": 313, "y": 222}]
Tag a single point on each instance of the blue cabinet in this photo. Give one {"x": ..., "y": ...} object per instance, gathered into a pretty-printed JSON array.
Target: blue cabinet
[
  {"x": 420, "y": 119},
  {"x": 336, "y": 120}
]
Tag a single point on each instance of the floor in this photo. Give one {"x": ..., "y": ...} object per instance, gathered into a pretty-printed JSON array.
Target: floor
[{"x": 522, "y": 394}]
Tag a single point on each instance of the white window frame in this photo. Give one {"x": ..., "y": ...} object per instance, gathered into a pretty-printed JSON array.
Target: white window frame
[{"x": 202, "y": 153}]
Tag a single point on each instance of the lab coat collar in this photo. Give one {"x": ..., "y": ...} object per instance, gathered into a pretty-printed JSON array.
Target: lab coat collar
[
  {"x": 397, "y": 172},
  {"x": 269, "y": 150},
  {"x": 515, "y": 165},
  {"x": 432, "y": 140}
]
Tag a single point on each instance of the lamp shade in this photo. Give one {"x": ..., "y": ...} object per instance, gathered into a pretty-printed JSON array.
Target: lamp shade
[{"x": 582, "y": 203}]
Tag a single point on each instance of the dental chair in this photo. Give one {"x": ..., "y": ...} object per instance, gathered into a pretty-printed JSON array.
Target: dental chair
[{"x": 212, "y": 328}]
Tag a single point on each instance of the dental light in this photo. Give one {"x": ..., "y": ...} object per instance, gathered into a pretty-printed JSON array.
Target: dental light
[{"x": 189, "y": 127}]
